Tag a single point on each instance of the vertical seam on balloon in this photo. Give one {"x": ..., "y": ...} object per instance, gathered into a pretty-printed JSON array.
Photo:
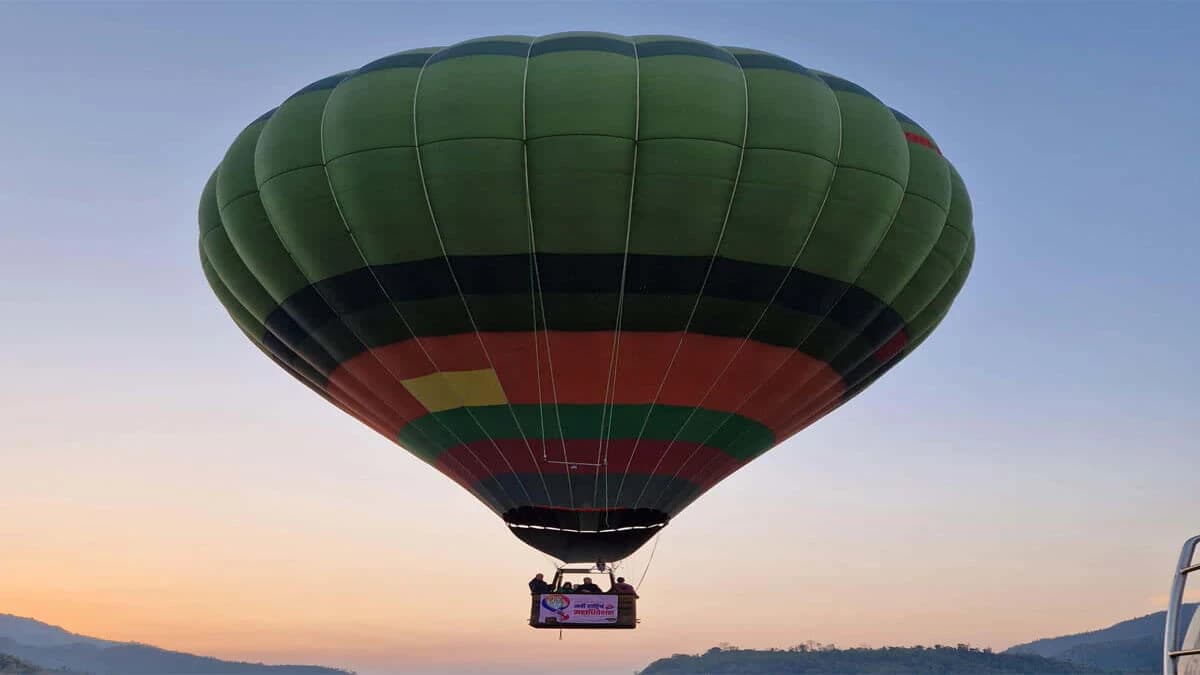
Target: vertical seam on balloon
[
  {"x": 488, "y": 473},
  {"x": 367, "y": 404},
  {"x": 832, "y": 405},
  {"x": 828, "y": 405},
  {"x": 329, "y": 392},
  {"x": 400, "y": 315},
  {"x": 611, "y": 383},
  {"x": 252, "y": 328},
  {"x": 203, "y": 243},
  {"x": 245, "y": 321},
  {"x": 825, "y": 409},
  {"x": 907, "y": 284},
  {"x": 454, "y": 277},
  {"x": 354, "y": 241},
  {"x": 206, "y": 261},
  {"x": 533, "y": 282},
  {"x": 541, "y": 305},
  {"x": 832, "y": 306},
  {"x": 364, "y": 403},
  {"x": 308, "y": 279},
  {"x": 535, "y": 279},
  {"x": 703, "y": 284},
  {"x": 783, "y": 282}
]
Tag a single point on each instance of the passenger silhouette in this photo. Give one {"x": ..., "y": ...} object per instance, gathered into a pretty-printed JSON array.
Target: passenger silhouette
[
  {"x": 538, "y": 584},
  {"x": 587, "y": 586}
]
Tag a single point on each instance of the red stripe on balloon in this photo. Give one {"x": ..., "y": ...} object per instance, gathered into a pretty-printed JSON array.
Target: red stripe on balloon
[
  {"x": 921, "y": 140},
  {"x": 716, "y": 373}
]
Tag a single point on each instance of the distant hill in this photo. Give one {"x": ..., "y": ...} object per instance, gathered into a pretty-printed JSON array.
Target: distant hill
[
  {"x": 960, "y": 660},
  {"x": 1150, "y": 625},
  {"x": 39, "y": 634},
  {"x": 54, "y": 648},
  {"x": 1133, "y": 646}
]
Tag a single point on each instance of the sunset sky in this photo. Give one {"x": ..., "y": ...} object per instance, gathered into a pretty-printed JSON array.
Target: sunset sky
[{"x": 1026, "y": 473}]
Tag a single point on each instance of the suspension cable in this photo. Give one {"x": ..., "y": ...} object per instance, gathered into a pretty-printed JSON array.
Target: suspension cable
[{"x": 651, "y": 560}]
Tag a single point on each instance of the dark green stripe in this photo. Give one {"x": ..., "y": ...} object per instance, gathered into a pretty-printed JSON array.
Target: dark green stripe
[
  {"x": 905, "y": 119},
  {"x": 838, "y": 84},
  {"x": 581, "y": 43},
  {"x": 323, "y": 83},
  {"x": 738, "y": 436},
  {"x": 771, "y": 62},
  {"x": 401, "y": 60},
  {"x": 263, "y": 117},
  {"x": 481, "y": 48},
  {"x": 648, "y": 50}
]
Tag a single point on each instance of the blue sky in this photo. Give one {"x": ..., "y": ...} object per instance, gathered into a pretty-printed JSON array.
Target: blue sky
[{"x": 1053, "y": 414}]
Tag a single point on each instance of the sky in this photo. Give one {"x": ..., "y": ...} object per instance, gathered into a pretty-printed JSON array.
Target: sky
[{"x": 1023, "y": 474}]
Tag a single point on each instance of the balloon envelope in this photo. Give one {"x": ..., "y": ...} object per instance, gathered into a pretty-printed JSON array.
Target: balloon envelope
[{"x": 586, "y": 276}]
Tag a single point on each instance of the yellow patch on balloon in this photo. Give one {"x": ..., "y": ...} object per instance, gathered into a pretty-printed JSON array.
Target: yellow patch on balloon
[{"x": 443, "y": 391}]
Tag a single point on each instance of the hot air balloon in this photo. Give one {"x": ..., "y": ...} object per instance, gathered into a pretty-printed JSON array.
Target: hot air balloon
[{"x": 585, "y": 276}]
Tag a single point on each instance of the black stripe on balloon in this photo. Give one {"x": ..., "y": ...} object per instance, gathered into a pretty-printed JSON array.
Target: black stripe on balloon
[
  {"x": 580, "y": 293},
  {"x": 298, "y": 363},
  {"x": 585, "y": 547},
  {"x": 869, "y": 372},
  {"x": 577, "y": 519},
  {"x": 498, "y": 275},
  {"x": 587, "y": 483}
]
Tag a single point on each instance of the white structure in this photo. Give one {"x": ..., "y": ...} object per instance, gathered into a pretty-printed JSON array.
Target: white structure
[{"x": 1181, "y": 650}]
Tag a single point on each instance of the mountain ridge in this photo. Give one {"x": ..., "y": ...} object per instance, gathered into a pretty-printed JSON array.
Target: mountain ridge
[
  {"x": 1129, "y": 647},
  {"x": 51, "y": 647},
  {"x": 35, "y": 633},
  {"x": 1147, "y": 625}
]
